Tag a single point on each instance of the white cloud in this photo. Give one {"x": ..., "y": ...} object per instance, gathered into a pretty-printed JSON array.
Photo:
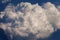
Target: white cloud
[{"x": 30, "y": 18}]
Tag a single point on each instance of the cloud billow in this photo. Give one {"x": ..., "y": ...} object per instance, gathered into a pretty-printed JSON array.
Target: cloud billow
[{"x": 26, "y": 19}]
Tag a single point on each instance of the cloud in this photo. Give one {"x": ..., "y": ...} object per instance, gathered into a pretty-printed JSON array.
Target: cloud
[
  {"x": 58, "y": 8},
  {"x": 4, "y": 1},
  {"x": 26, "y": 18}
]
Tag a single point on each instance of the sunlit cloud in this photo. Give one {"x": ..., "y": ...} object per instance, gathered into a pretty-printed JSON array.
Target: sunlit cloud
[{"x": 26, "y": 18}]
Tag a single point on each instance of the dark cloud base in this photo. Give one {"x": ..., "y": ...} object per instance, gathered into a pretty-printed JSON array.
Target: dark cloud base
[{"x": 53, "y": 36}]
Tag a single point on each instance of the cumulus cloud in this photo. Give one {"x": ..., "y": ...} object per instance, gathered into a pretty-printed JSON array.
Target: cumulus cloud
[{"x": 26, "y": 18}]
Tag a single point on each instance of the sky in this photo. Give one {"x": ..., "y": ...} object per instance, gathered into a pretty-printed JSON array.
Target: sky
[
  {"x": 30, "y": 19},
  {"x": 15, "y": 2}
]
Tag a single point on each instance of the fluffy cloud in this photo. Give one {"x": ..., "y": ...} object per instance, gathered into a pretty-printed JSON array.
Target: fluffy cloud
[{"x": 26, "y": 18}]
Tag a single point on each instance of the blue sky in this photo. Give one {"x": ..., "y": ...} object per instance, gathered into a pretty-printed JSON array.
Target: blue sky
[{"x": 15, "y": 2}]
